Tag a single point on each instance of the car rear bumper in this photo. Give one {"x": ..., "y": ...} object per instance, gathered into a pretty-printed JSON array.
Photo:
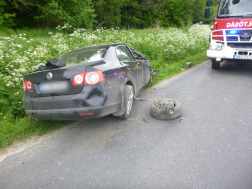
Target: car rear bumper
[
  {"x": 70, "y": 107},
  {"x": 73, "y": 113}
]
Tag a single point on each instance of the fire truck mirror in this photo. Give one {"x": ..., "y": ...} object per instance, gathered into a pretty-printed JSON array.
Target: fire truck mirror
[
  {"x": 235, "y": 2},
  {"x": 209, "y": 3},
  {"x": 207, "y": 12}
]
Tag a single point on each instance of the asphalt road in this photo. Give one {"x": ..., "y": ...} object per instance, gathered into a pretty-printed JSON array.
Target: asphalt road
[{"x": 210, "y": 148}]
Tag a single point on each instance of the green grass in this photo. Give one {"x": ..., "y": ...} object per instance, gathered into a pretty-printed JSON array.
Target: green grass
[
  {"x": 173, "y": 68},
  {"x": 30, "y": 33},
  {"x": 12, "y": 129}
]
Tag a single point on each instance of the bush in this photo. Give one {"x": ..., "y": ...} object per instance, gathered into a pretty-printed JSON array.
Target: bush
[{"x": 78, "y": 13}]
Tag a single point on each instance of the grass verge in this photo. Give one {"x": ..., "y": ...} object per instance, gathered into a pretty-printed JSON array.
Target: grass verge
[
  {"x": 12, "y": 129},
  {"x": 173, "y": 68}
]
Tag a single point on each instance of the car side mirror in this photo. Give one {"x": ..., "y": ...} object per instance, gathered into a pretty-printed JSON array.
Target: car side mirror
[
  {"x": 207, "y": 12},
  {"x": 209, "y": 3},
  {"x": 235, "y": 2}
]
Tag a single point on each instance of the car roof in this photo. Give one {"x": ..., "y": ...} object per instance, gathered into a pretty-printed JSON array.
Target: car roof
[{"x": 96, "y": 46}]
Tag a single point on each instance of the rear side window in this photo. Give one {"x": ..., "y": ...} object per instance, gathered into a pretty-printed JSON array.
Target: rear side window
[
  {"x": 72, "y": 59},
  {"x": 83, "y": 55},
  {"x": 123, "y": 54}
]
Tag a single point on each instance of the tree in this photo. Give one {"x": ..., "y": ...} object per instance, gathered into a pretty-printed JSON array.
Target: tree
[
  {"x": 148, "y": 13},
  {"x": 198, "y": 10},
  {"x": 108, "y": 12},
  {"x": 6, "y": 19},
  {"x": 102, "y": 13},
  {"x": 78, "y": 13},
  {"x": 135, "y": 15},
  {"x": 47, "y": 13},
  {"x": 178, "y": 12}
]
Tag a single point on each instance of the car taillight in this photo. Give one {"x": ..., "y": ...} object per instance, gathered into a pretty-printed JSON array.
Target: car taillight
[
  {"x": 94, "y": 77},
  {"x": 79, "y": 79},
  {"x": 28, "y": 85},
  {"x": 88, "y": 78}
]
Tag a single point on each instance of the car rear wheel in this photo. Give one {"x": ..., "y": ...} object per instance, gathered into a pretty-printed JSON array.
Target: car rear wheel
[
  {"x": 128, "y": 101},
  {"x": 215, "y": 65}
]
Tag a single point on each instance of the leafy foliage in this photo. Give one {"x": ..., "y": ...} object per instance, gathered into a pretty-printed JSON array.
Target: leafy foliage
[
  {"x": 152, "y": 13},
  {"x": 78, "y": 13},
  {"x": 101, "y": 13},
  {"x": 108, "y": 12},
  {"x": 11, "y": 104},
  {"x": 6, "y": 19}
]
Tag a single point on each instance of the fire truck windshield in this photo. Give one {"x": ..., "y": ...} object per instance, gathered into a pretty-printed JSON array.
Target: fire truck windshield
[{"x": 235, "y": 8}]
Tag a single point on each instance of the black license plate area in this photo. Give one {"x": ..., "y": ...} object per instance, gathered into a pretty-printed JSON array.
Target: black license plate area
[{"x": 54, "y": 87}]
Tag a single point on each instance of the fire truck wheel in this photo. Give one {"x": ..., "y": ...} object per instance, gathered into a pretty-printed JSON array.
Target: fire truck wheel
[
  {"x": 165, "y": 109},
  {"x": 215, "y": 65}
]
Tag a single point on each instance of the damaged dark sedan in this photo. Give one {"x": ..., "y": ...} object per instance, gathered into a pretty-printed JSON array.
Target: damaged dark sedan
[{"x": 87, "y": 83}]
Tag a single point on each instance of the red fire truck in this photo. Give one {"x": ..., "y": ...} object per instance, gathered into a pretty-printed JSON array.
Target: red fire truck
[{"x": 231, "y": 37}]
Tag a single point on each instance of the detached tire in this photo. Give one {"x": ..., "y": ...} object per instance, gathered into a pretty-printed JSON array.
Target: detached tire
[
  {"x": 128, "y": 101},
  {"x": 165, "y": 109},
  {"x": 215, "y": 65}
]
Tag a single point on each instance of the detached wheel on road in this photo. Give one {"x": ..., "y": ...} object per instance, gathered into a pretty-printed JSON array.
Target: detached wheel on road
[
  {"x": 128, "y": 101},
  {"x": 215, "y": 65},
  {"x": 165, "y": 109}
]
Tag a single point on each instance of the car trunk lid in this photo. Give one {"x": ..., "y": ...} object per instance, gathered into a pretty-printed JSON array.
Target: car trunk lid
[{"x": 55, "y": 82}]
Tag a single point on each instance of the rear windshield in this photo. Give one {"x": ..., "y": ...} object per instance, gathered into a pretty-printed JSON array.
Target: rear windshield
[{"x": 83, "y": 56}]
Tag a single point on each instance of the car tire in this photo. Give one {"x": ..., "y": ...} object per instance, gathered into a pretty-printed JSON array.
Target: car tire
[
  {"x": 215, "y": 65},
  {"x": 128, "y": 101},
  {"x": 165, "y": 109}
]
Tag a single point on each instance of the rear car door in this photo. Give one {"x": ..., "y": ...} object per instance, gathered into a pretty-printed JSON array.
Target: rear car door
[
  {"x": 146, "y": 67},
  {"x": 133, "y": 68}
]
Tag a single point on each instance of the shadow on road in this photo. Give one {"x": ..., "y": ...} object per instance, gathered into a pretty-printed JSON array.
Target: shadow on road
[{"x": 238, "y": 67}]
